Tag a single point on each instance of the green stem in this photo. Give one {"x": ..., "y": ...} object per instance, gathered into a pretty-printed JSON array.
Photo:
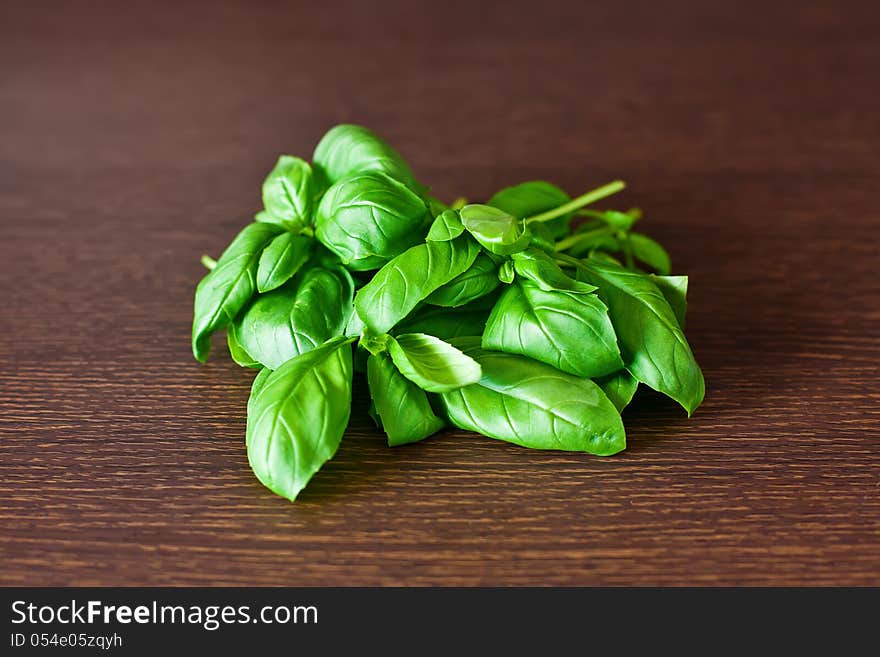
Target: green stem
[
  {"x": 567, "y": 242},
  {"x": 592, "y": 214},
  {"x": 635, "y": 213},
  {"x": 458, "y": 203},
  {"x": 208, "y": 262},
  {"x": 580, "y": 201}
]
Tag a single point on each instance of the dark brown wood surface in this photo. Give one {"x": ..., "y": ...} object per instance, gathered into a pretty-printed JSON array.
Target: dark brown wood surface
[{"x": 134, "y": 139}]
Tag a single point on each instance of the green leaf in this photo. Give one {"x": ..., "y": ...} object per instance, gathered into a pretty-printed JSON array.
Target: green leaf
[
  {"x": 288, "y": 193},
  {"x": 494, "y": 229},
  {"x": 618, "y": 220},
  {"x": 506, "y": 272},
  {"x": 355, "y": 326},
  {"x": 601, "y": 257},
  {"x": 674, "y": 290},
  {"x": 619, "y": 387},
  {"x": 431, "y": 363},
  {"x": 257, "y": 384},
  {"x": 297, "y": 317},
  {"x": 238, "y": 353},
  {"x": 476, "y": 281},
  {"x": 447, "y": 226},
  {"x": 350, "y": 150},
  {"x": 282, "y": 259},
  {"x": 469, "y": 319},
  {"x": 297, "y": 417},
  {"x": 650, "y": 252},
  {"x": 229, "y": 286},
  {"x": 369, "y": 219},
  {"x": 531, "y": 198},
  {"x": 541, "y": 268},
  {"x": 402, "y": 406},
  {"x": 570, "y": 331},
  {"x": 654, "y": 348},
  {"x": 400, "y": 285},
  {"x": 534, "y": 405}
]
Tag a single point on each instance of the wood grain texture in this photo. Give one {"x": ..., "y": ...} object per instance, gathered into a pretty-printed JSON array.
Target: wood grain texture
[{"x": 135, "y": 139}]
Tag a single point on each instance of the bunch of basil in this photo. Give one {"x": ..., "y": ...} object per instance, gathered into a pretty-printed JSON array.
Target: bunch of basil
[{"x": 496, "y": 318}]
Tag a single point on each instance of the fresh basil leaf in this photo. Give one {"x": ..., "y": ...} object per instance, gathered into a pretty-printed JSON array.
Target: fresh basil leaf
[
  {"x": 602, "y": 257},
  {"x": 447, "y": 226},
  {"x": 619, "y": 220},
  {"x": 532, "y": 404},
  {"x": 494, "y": 229},
  {"x": 374, "y": 343},
  {"x": 238, "y": 353},
  {"x": 476, "y": 281},
  {"x": 650, "y": 252},
  {"x": 401, "y": 284},
  {"x": 349, "y": 150},
  {"x": 298, "y": 415},
  {"x": 297, "y": 317},
  {"x": 506, "y": 272},
  {"x": 654, "y": 347},
  {"x": 431, "y": 363},
  {"x": 257, "y": 385},
  {"x": 287, "y": 193},
  {"x": 229, "y": 286},
  {"x": 674, "y": 290},
  {"x": 619, "y": 387},
  {"x": 282, "y": 259},
  {"x": 402, "y": 407},
  {"x": 355, "y": 326},
  {"x": 369, "y": 219},
  {"x": 534, "y": 197},
  {"x": 469, "y": 319},
  {"x": 541, "y": 268},
  {"x": 570, "y": 331}
]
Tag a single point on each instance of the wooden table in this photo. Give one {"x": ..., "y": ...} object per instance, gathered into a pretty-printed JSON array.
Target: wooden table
[{"x": 135, "y": 139}]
